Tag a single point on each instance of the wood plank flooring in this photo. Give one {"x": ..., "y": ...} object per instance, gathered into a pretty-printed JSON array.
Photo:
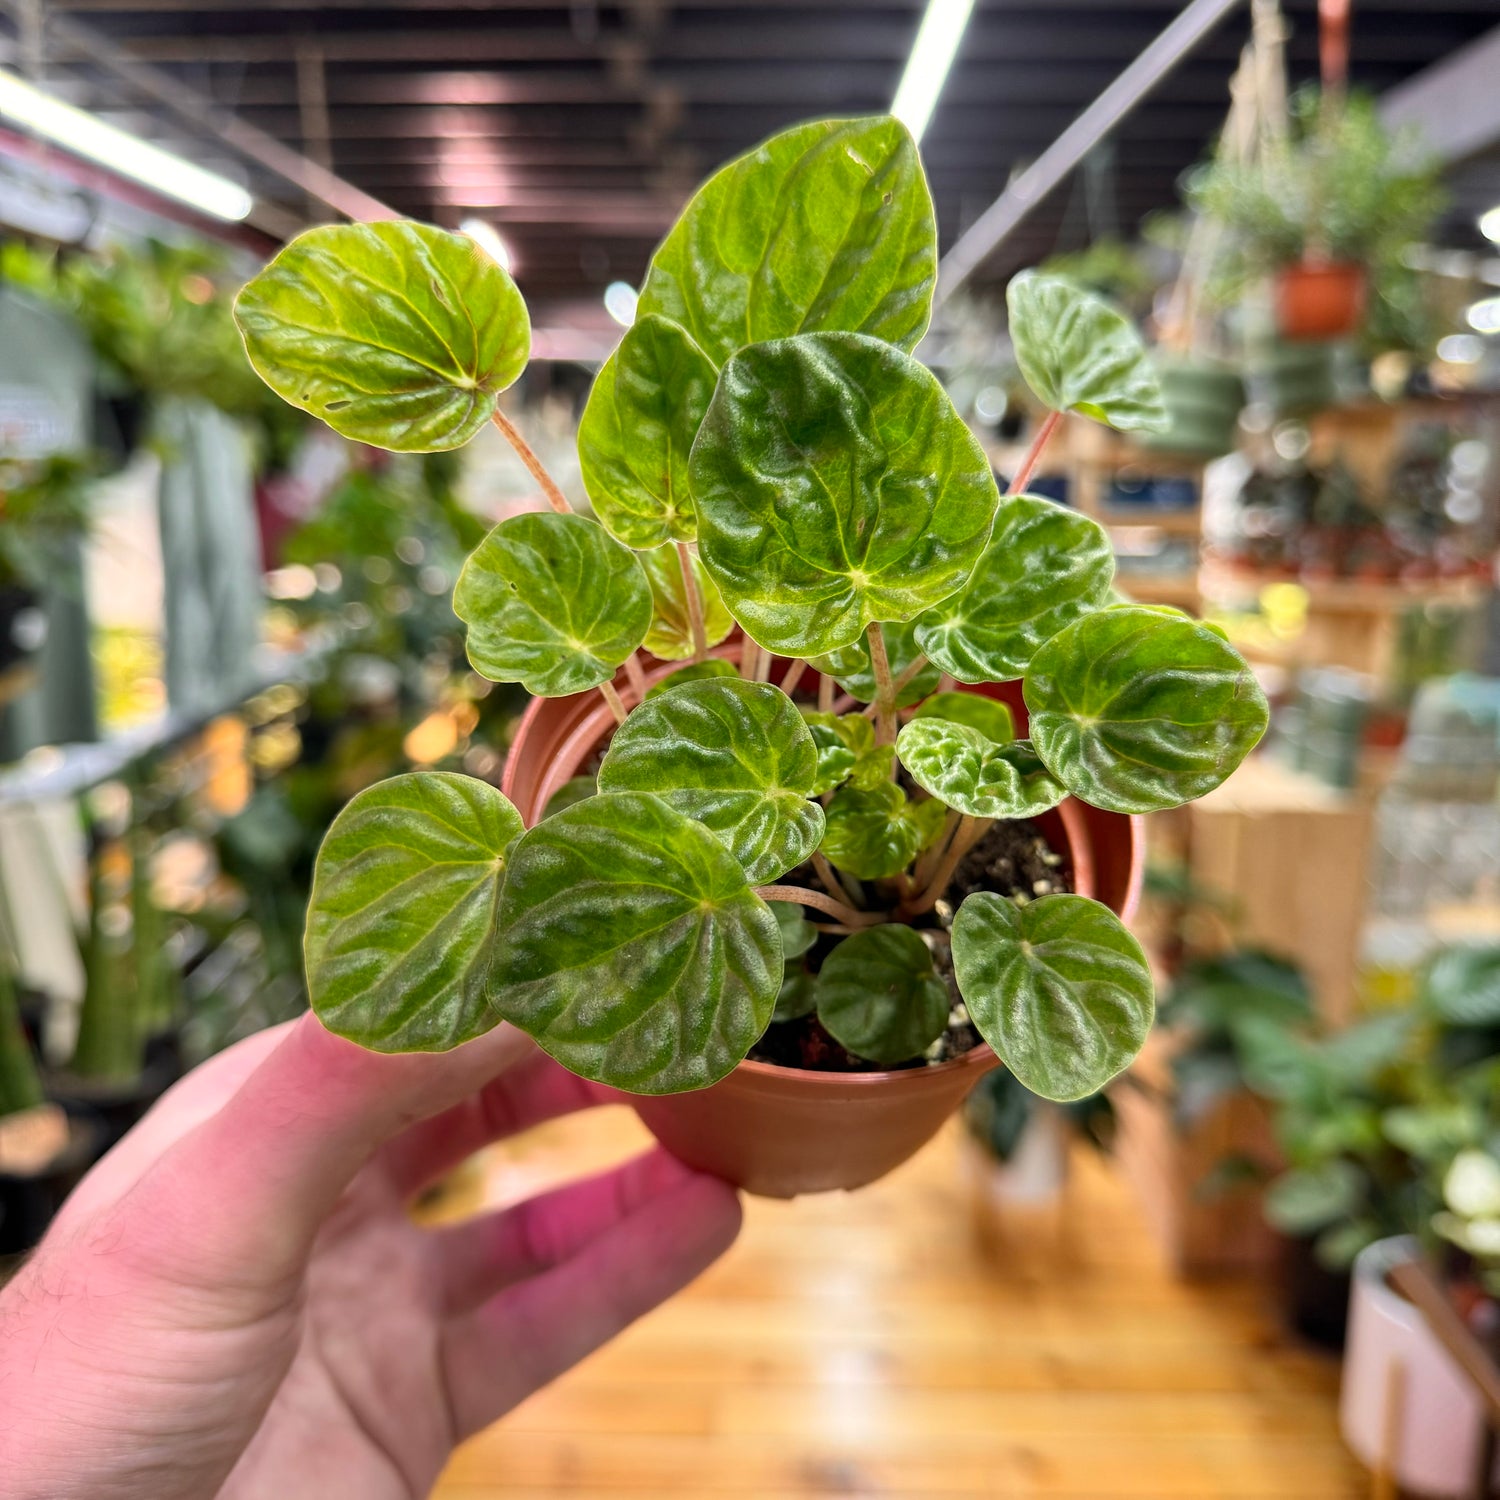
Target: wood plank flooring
[{"x": 872, "y": 1345}]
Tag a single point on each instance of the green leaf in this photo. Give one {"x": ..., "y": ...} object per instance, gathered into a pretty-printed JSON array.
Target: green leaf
[
  {"x": 1058, "y": 987},
  {"x": 1045, "y": 567},
  {"x": 835, "y": 759},
  {"x": 1300, "y": 1203},
  {"x": 835, "y": 485},
  {"x": 695, "y": 671},
  {"x": 631, "y": 947},
  {"x": 992, "y": 719},
  {"x": 637, "y": 430},
  {"x": 796, "y": 997},
  {"x": 826, "y": 226},
  {"x": 864, "y": 763},
  {"x": 879, "y": 995},
  {"x": 1078, "y": 353},
  {"x": 874, "y": 832},
  {"x": 401, "y": 921},
  {"x": 850, "y": 666},
  {"x": 552, "y": 602},
  {"x": 395, "y": 334},
  {"x": 573, "y": 790},
  {"x": 733, "y": 756},
  {"x": 968, "y": 771},
  {"x": 1135, "y": 711},
  {"x": 1462, "y": 986},
  {"x": 797, "y": 933},
  {"x": 671, "y": 633}
]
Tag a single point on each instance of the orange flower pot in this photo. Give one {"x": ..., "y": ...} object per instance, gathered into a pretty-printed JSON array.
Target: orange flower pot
[{"x": 1320, "y": 299}]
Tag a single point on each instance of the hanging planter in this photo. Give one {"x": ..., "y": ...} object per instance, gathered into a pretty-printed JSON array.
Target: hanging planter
[
  {"x": 1203, "y": 398},
  {"x": 1320, "y": 299}
]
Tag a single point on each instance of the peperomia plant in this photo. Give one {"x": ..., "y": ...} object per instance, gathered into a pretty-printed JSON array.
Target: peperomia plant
[{"x": 761, "y": 451}]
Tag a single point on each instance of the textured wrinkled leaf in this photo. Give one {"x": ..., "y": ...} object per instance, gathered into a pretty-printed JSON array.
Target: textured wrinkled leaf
[
  {"x": 826, "y": 226},
  {"x": 632, "y": 948},
  {"x": 1462, "y": 985},
  {"x": 874, "y": 832},
  {"x": 835, "y": 758},
  {"x": 573, "y": 790},
  {"x": 694, "y": 671},
  {"x": 733, "y": 756},
  {"x": 797, "y": 933},
  {"x": 1045, "y": 567},
  {"x": 1058, "y": 987},
  {"x": 395, "y": 334},
  {"x": 552, "y": 602},
  {"x": 1078, "y": 353},
  {"x": 796, "y": 997},
  {"x": 971, "y": 773},
  {"x": 1134, "y": 711},
  {"x": 993, "y": 720},
  {"x": 835, "y": 485},
  {"x": 401, "y": 921},
  {"x": 847, "y": 751},
  {"x": 638, "y": 429},
  {"x": 879, "y": 995},
  {"x": 850, "y": 666},
  {"x": 671, "y": 634}
]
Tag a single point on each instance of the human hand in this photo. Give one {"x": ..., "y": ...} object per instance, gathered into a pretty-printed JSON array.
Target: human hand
[{"x": 235, "y": 1302}]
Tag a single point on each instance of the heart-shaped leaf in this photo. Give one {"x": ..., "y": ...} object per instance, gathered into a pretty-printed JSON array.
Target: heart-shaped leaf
[
  {"x": 1080, "y": 354},
  {"x": 992, "y": 719},
  {"x": 1057, "y": 987},
  {"x": 1045, "y": 567},
  {"x": 632, "y": 948},
  {"x": 874, "y": 832},
  {"x": 671, "y": 633},
  {"x": 835, "y": 485},
  {"x": 695, "y": 671},
  {"x": 401, "y": 921},
  {"x": 879, "y": 995},
  {"x": 851, "y": 668},
  {"x": 552, "y": 602},
  {"x": 575, "y": 789},
  {"x": 826, "y": 226},
  {"x": 797, "y": 933},
  {"x": 968, "y": 771},
  {"x": 637, "y": 430},
  {"x": 733, "y": 756},
  {"x": 796, "y": 998},
  {"x": 1133, "y": 710},
  {"x": 395, "y": 334}
]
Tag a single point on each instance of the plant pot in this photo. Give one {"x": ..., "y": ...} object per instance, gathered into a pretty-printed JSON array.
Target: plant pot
[
  {"x": 1292, "y": 379},
  {"x": 1203, "y": 399},
  {"x": 1430, "y": 1443},
  {"x": 1315, "y": 1300},
  {"x": 29, "y": 1201},
  {"x": 1320, "y": 299},
  {"x": 780, "y": 1131}
]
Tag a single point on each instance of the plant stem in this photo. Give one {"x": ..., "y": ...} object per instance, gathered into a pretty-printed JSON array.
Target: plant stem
[
  {"x": 793, "y": 676},
  {"x": 694, "y": 601},
  {"x": 611, "y": 697},
  {"x": 885, "y": 689},
  {"x": 826, "y": 873},
  {"x": 799, "y": 895},
  {"x": 825, "y": 694},
  {"x": 637, "y": 675},
  {"x": 929, "y": 859},
  {"x": 555, "y": 497},
  {"x": 907, "y": 673},
  {"x": 1033, "y": 453},
  {"x": 749, "y": 654},
  {"x": 970, "y": 831},
  {"x": 763, "y": 665}
]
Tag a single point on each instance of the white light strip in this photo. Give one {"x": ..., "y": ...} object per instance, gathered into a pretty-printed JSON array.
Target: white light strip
[
  {"x": 487, "y": 237},
  {"x": 932, "y": 53},
  {"x": 87, "y": 135}
]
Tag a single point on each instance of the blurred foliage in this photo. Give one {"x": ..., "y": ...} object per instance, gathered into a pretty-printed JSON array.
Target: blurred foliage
[
  {"x": 44, "y": 506},
  {"x": 1000, "y": 1107}
]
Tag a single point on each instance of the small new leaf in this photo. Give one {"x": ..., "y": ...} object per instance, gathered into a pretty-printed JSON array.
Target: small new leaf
[
  {"x": 969, "y": 772},
  {"x": 1080, "y": 354},
  {"x": 1045, "y": 567},
  {"x": 401, "y": 921},
  {"x": 552, "y": 602},
  {"x": 992, "y": 719},
  {"x": 671, "y": 633},
  {"x": 875, "y": 832},
  {"x": 1058, "y": 987},
  {"x": 632, "y": 948},
  {"x": 878, "y": 995},
  {"x": 637, "y": 430},
  {"x": 733, "y": 756},
  {"x": 825, "y": 226},
  {"x": 1134, "y": 710},
  {"x": 835, "y": 485},
  {"x": 394, "y": 334}
]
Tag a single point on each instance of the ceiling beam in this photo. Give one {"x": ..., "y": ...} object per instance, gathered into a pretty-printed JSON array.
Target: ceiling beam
[{"x": 1454, "y": 104}]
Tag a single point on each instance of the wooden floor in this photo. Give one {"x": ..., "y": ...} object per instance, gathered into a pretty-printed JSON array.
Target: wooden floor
[{"x": 868, "y": 1344}]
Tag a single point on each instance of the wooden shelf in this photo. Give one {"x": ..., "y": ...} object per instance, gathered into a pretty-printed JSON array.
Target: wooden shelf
[
  {"x": 1345, "y": 595},
  {"x": 1172, "y": 522},
  {"x": 1160, "y": 588}
]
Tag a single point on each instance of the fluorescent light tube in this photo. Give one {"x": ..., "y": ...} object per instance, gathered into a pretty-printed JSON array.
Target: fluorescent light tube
[
  {"x": 931, "y": 57},
  {"x": 86, "y": 135}
]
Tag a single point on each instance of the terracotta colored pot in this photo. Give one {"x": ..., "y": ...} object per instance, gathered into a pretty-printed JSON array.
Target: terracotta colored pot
[
  {"x": 779, "y": 1131},
  {"x": 1320, "y": 300}
]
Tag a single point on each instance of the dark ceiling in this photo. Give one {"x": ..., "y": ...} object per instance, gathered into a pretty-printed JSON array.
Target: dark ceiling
[{"x": 577, "y": 129}]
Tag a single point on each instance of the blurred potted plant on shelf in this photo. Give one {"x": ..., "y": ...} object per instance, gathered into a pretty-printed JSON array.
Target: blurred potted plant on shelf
[
  {"x": 763, "y": 427},
  {"x": 1321, "y": 211}
]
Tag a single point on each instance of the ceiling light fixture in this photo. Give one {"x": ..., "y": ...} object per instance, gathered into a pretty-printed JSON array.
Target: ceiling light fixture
[
  {"x": 931, "y": 57},
  {"x": 487, "y": 237},
  {"x": 1484, "y": 316},
  {"x": 1489, "y": 224},
  {"x": 86, "y": 135},
  {"x": 620, "y": 299}
]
